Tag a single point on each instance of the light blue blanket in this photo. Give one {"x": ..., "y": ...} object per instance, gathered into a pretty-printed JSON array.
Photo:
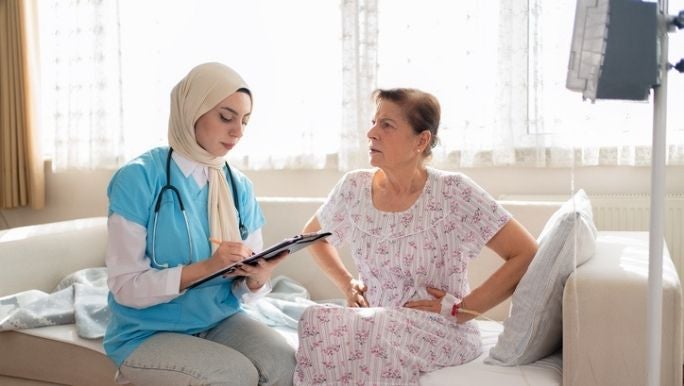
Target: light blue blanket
[
  {"x": 81, "y": 299},
  {"x": 285, "y": 304}
]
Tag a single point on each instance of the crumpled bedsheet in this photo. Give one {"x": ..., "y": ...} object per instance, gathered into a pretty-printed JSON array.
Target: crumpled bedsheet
[{"x": 81, "y": 299}]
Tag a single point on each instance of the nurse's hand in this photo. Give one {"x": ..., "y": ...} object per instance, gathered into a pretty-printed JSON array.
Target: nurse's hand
[
  {"x": 258, "y": 274},
  {"x": 227, "y": 253}
]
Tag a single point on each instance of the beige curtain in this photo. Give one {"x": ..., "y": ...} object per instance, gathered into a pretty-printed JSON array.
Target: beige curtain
[{"x": 21, "y": 164}]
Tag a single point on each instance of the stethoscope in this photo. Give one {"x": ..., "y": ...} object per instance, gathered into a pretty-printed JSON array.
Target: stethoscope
[{"x": 169, "y": 186}]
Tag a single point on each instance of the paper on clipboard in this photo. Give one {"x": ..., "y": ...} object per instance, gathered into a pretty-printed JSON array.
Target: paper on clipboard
[{"x": 292, "y": 244}]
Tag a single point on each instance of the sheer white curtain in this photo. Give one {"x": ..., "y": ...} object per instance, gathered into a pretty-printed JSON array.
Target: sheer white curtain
[
  {"x": 115, "y": 93},
  {"x": 81, "y": 93},
  {"x": 360, "y": 65},
  {"x": 498, "y": 69}
]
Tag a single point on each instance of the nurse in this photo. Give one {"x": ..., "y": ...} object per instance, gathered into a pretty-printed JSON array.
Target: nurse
[{"x": 177, "y": 214}]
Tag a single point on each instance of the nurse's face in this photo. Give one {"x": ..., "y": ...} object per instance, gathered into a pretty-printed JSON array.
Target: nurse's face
[{"x": 219, "y": 129}]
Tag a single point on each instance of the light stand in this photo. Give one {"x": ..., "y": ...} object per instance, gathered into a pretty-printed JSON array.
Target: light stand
[
  {"x": 654, "y": 312},
  {"x": 657, "y": 217},
  {"x": 620, "y": 51}
]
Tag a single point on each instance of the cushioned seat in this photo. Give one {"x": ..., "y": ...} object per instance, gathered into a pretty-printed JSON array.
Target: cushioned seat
[{"x": 54, "y": 354}]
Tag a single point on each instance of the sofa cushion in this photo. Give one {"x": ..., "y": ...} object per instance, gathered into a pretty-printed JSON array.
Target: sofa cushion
[
  {"x": 534, "y": 328},
  {"x": 604, "y": 329},
  {"x": 55, "y": 354}
]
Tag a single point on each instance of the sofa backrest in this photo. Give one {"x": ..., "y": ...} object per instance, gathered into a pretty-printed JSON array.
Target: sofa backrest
[{"x": 39, "y": 256}]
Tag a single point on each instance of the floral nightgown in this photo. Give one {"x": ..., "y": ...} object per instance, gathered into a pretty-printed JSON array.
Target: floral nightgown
[{"x": 398, "y": 255}]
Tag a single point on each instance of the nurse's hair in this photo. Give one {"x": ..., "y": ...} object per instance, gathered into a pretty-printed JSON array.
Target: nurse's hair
[{"x": 421, "y": 110}]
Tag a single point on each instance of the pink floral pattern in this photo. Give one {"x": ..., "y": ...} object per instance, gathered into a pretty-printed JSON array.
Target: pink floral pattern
[{"x": 398, "y": 255}]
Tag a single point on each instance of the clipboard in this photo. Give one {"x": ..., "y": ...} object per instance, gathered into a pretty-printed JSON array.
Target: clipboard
[{"x": 291, "y": 245}]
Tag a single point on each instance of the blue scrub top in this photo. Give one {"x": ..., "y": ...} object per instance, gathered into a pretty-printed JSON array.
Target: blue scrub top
[{"x": 132, "y": 194}]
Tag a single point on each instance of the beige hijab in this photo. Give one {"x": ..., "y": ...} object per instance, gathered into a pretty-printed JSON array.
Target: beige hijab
[{"x": 200, "y": 91}]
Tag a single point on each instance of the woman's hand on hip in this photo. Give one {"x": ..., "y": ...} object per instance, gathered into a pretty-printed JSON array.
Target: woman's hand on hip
[
  {"x": 429, "y": 305},
  {"x": 355, "y": 294}
]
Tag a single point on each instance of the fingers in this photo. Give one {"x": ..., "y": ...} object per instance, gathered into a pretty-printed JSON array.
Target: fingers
[
  {"x": 229, "y": 253},
  {"x": 421, "y": 303},
  {"x": 361, "y": 301},
  {"x": 425, "y": 305},
  {"x": 355, "y": 297},
  {"x": 438, "y": 293},
  {"x": 357, "y": 302},
  {"x": 260, "y": 270},
  {"x": 232, "y": 271},
  {"x": 235, "y": 250},
  {"x": 257, "y": 267}
]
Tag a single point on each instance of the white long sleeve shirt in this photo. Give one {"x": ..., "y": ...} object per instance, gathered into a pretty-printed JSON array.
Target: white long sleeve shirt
[{"x": 132, "y": 279}]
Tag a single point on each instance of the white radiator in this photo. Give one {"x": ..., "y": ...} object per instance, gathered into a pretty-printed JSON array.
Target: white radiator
[{"x": 630, "y": 212}]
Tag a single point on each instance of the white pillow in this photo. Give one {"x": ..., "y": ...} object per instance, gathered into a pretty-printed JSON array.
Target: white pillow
[{"x": 533, "y": 329}]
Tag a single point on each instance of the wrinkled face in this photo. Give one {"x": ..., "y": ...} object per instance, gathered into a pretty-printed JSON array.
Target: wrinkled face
[
  {"x": 218, "y": 130},
  {"x": 391, "y": 140}
]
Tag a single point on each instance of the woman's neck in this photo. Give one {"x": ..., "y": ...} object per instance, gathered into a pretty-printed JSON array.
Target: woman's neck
[
  {"x": 397, "y": 190},
  {"x": 402, "y": 181}
]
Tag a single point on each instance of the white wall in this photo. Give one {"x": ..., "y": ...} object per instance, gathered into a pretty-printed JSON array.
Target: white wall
[
  {"x": 497, "y": 181},
  {"x": 83, "y": 194}
]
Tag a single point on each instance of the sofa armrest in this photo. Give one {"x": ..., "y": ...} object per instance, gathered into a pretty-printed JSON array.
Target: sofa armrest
[
  {"x": 604, "y": 316},
  {"x": 39, "y": 256}
]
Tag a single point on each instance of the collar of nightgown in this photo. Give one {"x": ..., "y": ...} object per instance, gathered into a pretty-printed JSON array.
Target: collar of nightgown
[{"x": 427, "y": 212}]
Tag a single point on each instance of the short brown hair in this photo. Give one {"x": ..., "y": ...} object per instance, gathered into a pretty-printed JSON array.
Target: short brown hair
[{"x": 421, "y": 109}]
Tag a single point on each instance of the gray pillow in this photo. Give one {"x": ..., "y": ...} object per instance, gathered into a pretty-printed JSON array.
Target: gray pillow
[{"x": 533, "y": 329}]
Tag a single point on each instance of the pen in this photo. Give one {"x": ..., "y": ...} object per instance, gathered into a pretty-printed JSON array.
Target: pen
[{"x": 217, "y": 241}]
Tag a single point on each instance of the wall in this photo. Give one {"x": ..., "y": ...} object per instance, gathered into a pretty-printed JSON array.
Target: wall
[
  {"x": 83, "y": 193},
  {"x": 69, "y": 195},
  {"x": 497, "y": 181}
]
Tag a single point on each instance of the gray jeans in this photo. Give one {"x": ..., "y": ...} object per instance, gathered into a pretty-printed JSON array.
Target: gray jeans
[{"x": 239, "y": 351}]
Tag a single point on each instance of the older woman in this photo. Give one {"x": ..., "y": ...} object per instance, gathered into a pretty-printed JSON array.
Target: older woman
[
  {"x": 412, "y": 230},
  {"x": 164, "y": 208}
]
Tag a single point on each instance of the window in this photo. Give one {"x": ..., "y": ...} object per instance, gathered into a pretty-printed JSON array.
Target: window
[
  {"x": 498, "y": 69},
  {"x": 290, "y": 60}
]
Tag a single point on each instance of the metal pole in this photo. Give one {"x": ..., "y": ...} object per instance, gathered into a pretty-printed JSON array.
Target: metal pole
[{"x": 655, "y": 264}]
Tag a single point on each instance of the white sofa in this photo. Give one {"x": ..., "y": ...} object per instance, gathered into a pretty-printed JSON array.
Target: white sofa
[{"x": 604, "y": 303}]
